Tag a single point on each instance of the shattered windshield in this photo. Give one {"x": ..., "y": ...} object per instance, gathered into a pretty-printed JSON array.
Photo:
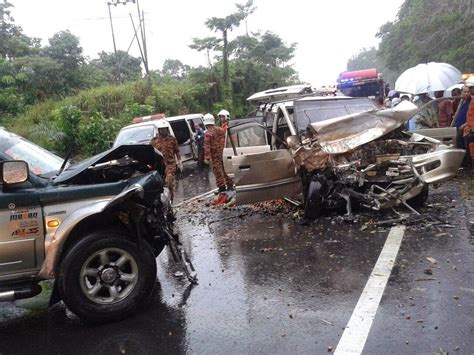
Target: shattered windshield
[
  {"x": 311, "y": 111},
  {"x": 40, "y": 161}
]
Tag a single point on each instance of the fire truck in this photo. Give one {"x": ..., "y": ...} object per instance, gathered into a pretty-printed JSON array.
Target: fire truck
[{"x": 362, "y": 83}]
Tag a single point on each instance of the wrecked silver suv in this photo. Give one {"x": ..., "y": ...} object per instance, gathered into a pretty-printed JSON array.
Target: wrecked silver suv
[
  {"x": 95, "y": 227},
  {"x": 335, "y": 151}
]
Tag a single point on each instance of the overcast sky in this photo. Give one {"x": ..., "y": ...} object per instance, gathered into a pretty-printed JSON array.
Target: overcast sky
[{"x": 327, "y": 32}]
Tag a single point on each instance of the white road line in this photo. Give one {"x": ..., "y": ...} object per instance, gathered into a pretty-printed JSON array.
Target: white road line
[{"x": 355, "y": 334}]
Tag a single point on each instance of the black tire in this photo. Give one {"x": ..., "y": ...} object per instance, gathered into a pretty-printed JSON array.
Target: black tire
[
  {"x": 313, "y": 206},
  {"x": 134, "y": 285},
  {"x": 420, "y": 199}
]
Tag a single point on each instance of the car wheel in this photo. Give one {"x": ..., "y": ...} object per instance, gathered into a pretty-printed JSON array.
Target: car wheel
[
  {"x": 313, "y": 206},
  {"x": 105, "y": 277},
  {"x": 420, "y": 199}
]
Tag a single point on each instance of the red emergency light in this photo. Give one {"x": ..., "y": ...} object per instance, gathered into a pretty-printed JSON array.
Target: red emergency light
[{"x": 157, "y": 116}]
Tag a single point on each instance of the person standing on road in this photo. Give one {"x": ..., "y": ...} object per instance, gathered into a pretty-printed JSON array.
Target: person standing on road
[
  {"x": 199, "y": 136},
  {"x": 168, "y": 146},
  {"x": 445, "y": 110},
  {"x": 214, "y": 142},
  {"x": 224, "y": 117},
  {"x": 460, "y": 121},
  {"x": 468, "y": 130}
]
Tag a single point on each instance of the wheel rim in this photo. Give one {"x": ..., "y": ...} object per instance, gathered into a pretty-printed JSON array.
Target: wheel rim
[{"x": 109, "y": 275}]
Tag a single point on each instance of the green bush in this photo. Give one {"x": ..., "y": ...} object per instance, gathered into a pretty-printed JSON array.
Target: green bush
[
  {"x": 138, "y": 110},
  {"x": 96, "y": 134},
  {"x": 67, "y": 122}
]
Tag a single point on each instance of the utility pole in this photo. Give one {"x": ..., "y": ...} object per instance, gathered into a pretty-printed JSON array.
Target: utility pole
[
  {"x": 141, "y": 23},
  {"x": 117, "y": 66}
]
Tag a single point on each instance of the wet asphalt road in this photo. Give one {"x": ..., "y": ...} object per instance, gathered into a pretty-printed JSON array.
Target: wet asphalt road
[{"x": 270, "y": 285}]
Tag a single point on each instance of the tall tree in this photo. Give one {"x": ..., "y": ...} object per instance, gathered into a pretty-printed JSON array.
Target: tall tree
[
  {"x": 365, "y": 59},
  {"x": 259, "y": 62},
  {"x": 129, "y": 67},
  {"x": 429, "y": 30},
  {"x": 226, "y": 24},
  {"x": 65, "y": 49},
  {"x": 175, "y": 69},
  {"x": 207, "y": 44},
  {"x": 13, "y": 43}
]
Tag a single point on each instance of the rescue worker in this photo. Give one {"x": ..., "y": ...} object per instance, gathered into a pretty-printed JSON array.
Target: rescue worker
[
  {"x": 214, "y": 141},
  {"x": 224, "y": 117},
  {"x": 168, "y": 146}
]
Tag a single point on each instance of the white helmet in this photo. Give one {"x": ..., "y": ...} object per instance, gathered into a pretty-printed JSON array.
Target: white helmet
[
  {"x": 224, "y": 113},
  {"x": 209, "y": 119}
]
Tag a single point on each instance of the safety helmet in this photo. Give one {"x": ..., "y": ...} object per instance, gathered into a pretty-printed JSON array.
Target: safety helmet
[
  {"x": 209, "y": 119},
  {"x": 224, "y": 113}
]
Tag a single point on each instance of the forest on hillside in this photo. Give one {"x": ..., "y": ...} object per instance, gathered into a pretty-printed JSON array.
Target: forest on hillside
[
  {"x": 57, "y": 97},
  {"x": 423, "y": 31}
]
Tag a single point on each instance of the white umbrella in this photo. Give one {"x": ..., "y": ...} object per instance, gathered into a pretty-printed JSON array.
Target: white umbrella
[{"x": 428, "y": 77}]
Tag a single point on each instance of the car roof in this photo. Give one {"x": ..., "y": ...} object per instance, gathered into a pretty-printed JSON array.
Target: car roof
[
  {"x": 191, "y": 115},
  {"x": 143, "y": 124},
  {"x": 281, "y": 93},
  {"x": 326, "y": 98}
]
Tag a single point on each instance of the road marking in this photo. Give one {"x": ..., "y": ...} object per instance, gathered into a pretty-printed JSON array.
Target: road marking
[{"x": 355, "y": 334}]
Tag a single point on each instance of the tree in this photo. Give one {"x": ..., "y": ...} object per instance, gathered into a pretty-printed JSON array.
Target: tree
[
  {"x": 429, "y": 30},
  {"x": 206, "y": 44},
  {"x": 365, "y": 59},
  {"x": 225, "y": 24},
  {"x": 175, "y": 69},
  {"x": 65, "y": 49},
  {"x": 129, "y": 67},
  {"x": 13, "y": 43},
  {"x": 260, "y": 61}
]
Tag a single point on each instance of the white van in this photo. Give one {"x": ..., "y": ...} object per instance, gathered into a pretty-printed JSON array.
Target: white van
[{"x": 181, "y": 127}]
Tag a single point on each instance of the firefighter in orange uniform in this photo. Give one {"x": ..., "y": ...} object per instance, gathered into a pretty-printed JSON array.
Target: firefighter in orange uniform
[
  {"x": 224, "y": 117},
  {"x": 168, "y": 146},
  {"x": 214, "y": 142}
]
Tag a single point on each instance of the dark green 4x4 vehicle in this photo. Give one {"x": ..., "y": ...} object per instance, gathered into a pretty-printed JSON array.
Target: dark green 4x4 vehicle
[{"x": 95, "y": 227}]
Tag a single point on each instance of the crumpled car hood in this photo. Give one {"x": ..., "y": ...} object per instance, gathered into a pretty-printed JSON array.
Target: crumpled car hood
[
  {"x": 342, "y": 134},
  {"x": 141, "y": 152}
]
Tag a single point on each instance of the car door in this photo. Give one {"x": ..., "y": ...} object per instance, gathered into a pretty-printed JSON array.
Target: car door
[
  {"x": 183, "y": 136},
  {"x": 192, "y": 130},
  {"x": 259, "y": 173},
  {"x": 21, "y": 231}
]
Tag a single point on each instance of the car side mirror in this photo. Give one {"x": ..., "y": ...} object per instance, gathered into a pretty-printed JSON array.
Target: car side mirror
[
  {"x": 292, "y": 141},
  {"x": 14, "y": 172}
]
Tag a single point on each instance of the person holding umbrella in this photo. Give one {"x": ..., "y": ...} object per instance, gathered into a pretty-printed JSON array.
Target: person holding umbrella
[{"x": 424, "y": 78}]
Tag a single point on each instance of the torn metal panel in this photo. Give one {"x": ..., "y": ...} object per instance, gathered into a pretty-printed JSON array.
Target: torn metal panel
[{"x": 342, "y": 134}]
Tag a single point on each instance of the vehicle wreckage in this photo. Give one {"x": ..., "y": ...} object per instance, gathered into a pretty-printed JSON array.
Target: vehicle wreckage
[
  {"x": 363, "y": 157},
  {"x": 95, "y": 227}
]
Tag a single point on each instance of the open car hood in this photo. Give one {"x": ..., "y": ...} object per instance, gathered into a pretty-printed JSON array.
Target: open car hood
[
  {"x": 342, "y": 134},
  {"x": 143, "y": 153}
]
